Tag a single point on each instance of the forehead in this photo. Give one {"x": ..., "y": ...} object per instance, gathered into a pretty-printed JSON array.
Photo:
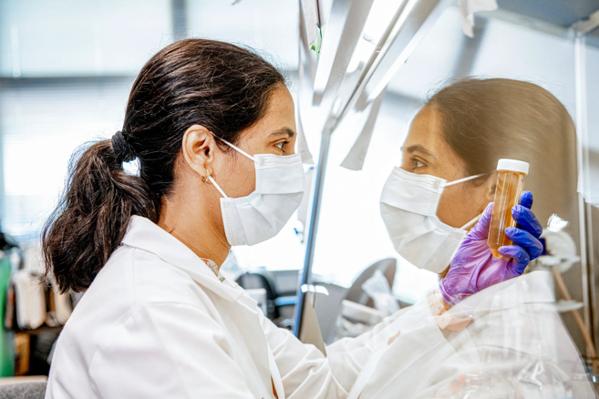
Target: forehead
[
  {"x": 426, "y": 138},
  {"x": 426, "y": 131},
  {"x": 280, "y": 110},
  {"x": 279, "y": 116}
]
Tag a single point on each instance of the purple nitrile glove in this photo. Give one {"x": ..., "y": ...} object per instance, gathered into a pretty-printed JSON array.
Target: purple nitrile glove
[{"x": 474, "y": 268}]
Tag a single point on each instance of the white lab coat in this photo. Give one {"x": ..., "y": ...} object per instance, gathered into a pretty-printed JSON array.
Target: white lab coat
[
  {"x": 508, "y": 341},
  {"x": 157, "y": 323}
]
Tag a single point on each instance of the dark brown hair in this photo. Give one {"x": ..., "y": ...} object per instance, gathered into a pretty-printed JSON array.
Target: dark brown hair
[
  {"x": 218, "y": 85},
  {"x": 484, "y": 120}
]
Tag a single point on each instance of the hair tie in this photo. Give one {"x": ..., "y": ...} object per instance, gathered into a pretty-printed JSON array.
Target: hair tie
[{"x": 123, "y": 152}]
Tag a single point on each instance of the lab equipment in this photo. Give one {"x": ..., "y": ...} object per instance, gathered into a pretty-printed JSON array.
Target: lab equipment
[
  {"x": 510, "y": 182},
  {"x": 330, "y": 309},
  {"x": 356, "y": 319},
  {"x": 368, "y": 301},
  {"x": 277, "y": 307},
  {"x": 377, "y": 287},
  {"x": 561, "y": 252},
  {"x": 560, "y": 255},
  {"x": 263, "y": 213},
  {"x": 409, "y": 204},
  {"x": 311, "y": 333},
  {"x": 474, "y": 268}
]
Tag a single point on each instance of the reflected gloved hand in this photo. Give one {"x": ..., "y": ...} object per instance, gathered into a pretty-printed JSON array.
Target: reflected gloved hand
[{"x": 474, "y": 268}]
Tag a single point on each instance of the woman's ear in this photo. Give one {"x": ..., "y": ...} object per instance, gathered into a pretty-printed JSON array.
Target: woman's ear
[{"x": 198, "y": 146}]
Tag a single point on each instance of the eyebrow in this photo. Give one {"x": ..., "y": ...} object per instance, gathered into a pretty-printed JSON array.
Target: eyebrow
[
  {"x": 420, "y": 149},
  {"x": 285, "y": 131}
]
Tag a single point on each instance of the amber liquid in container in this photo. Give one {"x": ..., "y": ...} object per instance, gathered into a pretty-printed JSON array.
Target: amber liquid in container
[{"x": 510, "y": 182}]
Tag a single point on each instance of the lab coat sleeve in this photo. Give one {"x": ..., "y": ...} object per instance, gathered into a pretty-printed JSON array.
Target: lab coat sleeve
[
  {"x": 158, "y": 351},
  {"x": 512, "y": 344},
  {"x": 305, "y": 371},
  {"x": 406, "y": 334}
]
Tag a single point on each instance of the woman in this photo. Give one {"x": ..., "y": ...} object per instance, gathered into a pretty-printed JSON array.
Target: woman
[
  {"x": 458, "y": 136},
  {"x": 507, "y": 341},
  {"x": 212, "y": 126}
]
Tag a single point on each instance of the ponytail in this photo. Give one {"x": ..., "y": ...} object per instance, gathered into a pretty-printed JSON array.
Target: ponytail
[{"x": 92, "y": 216}]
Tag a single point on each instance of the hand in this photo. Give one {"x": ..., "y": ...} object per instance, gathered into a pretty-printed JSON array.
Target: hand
[{"x": 474, "y": 268}]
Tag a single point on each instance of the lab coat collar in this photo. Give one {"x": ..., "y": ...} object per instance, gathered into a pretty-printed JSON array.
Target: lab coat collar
[{"x": 143, "y": 234}]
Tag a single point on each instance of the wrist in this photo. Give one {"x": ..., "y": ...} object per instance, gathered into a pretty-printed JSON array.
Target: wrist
[
  {"x": 446, "y": 296},
  {"x": 448, "y": 322},
  {"x": 437, "y": 303}
]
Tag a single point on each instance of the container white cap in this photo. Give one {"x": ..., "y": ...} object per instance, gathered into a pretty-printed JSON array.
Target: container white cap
[{"x": 513, "y": 165}]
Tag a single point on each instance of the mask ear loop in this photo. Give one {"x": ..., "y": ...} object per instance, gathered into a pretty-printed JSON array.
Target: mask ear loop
[
  {"x": 239, "y": 150},
  {"x": 463, "y": 179},
  {"x": 473, "y": 221},
  {"x": 217, "y": 187}
]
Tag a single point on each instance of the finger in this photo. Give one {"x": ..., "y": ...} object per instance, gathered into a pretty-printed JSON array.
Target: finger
[
  {"x": 527, "y": 241},
  {"x": 480, "y": 231},
  {"x": 518, "y": 254},
  {"x": 526, "y": 199},
  {"x": 526, "y": 220}
]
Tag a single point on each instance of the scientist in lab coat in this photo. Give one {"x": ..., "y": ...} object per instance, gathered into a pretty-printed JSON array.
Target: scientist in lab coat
[
  {"x": 212, "y": 127},
  {"x": 507, "y": 341}
]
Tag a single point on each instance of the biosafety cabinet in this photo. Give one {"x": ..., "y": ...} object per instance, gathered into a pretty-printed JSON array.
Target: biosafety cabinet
[{"x": 367, "y": 66}]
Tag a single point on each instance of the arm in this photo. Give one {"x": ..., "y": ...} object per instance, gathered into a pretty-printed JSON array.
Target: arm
[
  {"x": 403, "y": 337},
  {"x": 472, "y": 269},
  {"x": 307, "y": 373}
]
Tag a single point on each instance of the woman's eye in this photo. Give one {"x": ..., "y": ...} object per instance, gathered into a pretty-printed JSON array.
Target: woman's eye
[
  {"x": 416, "y": 164},
  {"x": 281, "y": 145}
]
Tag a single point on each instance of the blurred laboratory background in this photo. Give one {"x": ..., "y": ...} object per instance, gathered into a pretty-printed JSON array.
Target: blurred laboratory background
[{"x": 358, "y": 71}]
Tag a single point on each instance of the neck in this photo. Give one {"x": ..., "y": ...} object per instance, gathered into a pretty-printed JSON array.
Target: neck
[{"x": 194, "y": 226}]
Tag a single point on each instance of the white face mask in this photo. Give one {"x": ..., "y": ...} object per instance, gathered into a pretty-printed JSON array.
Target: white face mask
[
  {"x": 409, "y": 203},
  {"x": 263, "y": 213}
]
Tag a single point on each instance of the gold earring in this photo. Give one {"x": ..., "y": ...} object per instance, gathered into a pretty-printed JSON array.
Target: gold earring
[{"x": 204, "y": 179}]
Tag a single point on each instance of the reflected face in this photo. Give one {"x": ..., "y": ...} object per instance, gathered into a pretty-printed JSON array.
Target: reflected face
[
  {"x": 274, "y": 134},
  {"x": 425, "y": 151}
]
